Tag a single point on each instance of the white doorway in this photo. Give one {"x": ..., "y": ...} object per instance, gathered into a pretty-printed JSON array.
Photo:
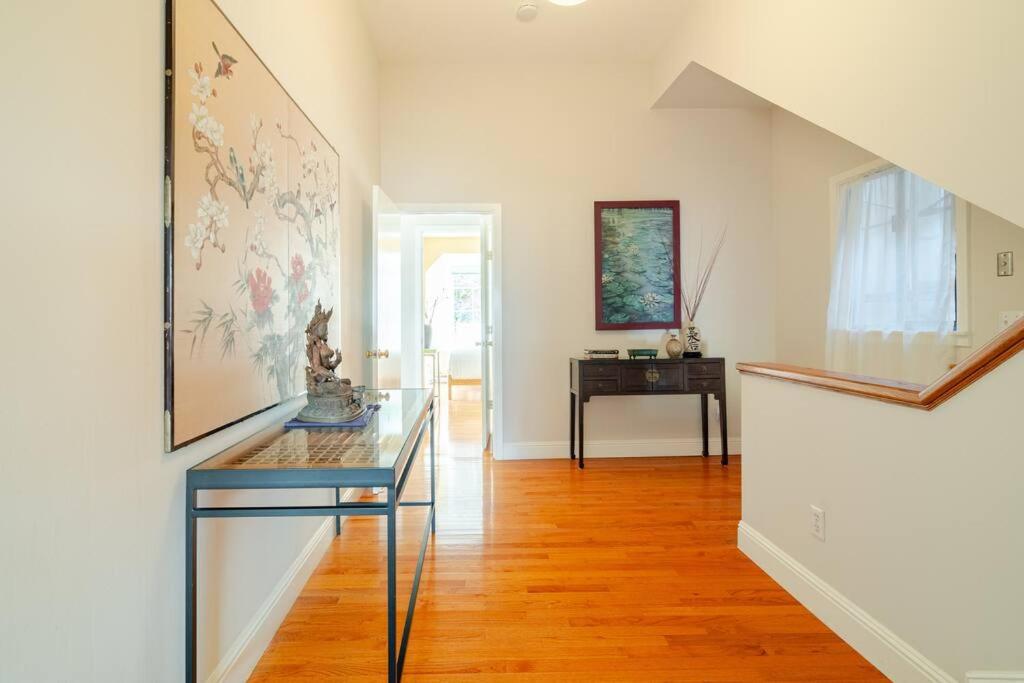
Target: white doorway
[{"x": 436, "y": 311}]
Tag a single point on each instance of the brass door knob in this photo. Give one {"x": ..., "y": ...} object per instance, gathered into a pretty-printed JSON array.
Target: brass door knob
[
  {"x": 371, "y": 354},
  {"x": 383, "y": 354}
]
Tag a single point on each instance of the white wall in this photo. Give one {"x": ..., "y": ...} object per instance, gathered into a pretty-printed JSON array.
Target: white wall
[
  {"x": 91, "y": 509},
  {"x": 989, "y": 293},
  {"x": 546, "y": 144},
  {"x": 931, "y": 85},
  {"x": 804, "y": 159},
  {"x": 922, "y": 510},
  {"x": 920, "y": 569}
]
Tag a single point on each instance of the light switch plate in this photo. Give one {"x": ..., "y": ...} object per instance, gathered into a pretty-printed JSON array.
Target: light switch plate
[
  {"x": 818, "y": 522},
  {"x": 1004, "y": 264}
]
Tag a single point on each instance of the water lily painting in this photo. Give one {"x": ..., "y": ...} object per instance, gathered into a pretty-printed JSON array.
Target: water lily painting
[
  {"x": 637, "y": 265},
  {"x": 252, "y": 228}
]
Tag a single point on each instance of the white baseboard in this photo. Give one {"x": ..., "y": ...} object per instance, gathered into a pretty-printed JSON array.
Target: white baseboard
[
  {"x": 244, "y": 654},
  {"x": 547, "y": 450},
  {"x": 1001, "y": 676},
  {"x": 892, "y": 655}
]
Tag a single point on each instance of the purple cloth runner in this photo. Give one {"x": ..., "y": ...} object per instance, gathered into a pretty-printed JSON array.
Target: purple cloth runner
[{"x": 357, "y": 423}]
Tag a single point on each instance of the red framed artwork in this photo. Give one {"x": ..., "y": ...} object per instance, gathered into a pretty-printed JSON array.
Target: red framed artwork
[{"x": 636, "y": 265}]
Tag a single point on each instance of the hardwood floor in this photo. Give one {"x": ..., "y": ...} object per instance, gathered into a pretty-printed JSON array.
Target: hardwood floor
[{"x": 625, "y": 572}]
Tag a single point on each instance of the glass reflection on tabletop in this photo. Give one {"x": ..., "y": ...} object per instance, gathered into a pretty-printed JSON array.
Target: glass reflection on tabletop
[{"x": 378, "y": 445}]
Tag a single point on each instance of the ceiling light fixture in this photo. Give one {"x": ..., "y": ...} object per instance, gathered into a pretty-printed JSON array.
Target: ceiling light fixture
[{"x": 567, "y": 3}]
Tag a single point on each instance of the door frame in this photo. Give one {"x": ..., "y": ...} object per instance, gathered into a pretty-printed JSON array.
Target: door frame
[
  {"x": 372, "y": 342},
  {"x": 494, "y": 212}
]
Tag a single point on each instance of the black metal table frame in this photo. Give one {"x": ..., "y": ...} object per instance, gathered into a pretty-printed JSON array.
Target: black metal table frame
[{"x": 337, "y": 479}]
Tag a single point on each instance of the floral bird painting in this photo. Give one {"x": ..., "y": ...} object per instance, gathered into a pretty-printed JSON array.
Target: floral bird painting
[{"x": 254, "y": 235}]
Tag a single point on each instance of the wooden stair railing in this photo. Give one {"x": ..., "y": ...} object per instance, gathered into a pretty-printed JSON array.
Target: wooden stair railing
[{"x": 983, "y": 361}]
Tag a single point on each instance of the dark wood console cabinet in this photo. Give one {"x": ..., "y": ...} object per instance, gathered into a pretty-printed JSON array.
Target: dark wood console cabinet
[{"x": 645, "y": 377}]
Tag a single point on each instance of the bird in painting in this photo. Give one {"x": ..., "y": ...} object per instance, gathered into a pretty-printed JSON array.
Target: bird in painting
[
  {"x": 239, "y": 174},
  {"x": 224, "y": 63}
]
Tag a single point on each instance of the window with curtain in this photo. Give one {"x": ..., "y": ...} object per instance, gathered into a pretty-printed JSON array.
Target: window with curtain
[
  {"x": 895, "y": 264},
  {"x": 892, "y": 306}
]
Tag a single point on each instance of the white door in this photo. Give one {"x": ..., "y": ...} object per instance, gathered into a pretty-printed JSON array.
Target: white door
[
  {"x": 385, "y": 351},
  {"x": 487, "y": 327}
]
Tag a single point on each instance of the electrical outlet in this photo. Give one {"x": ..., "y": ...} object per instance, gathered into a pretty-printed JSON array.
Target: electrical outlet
[
  {"x": 818, "y": 522},
  {"x": 1004, "y": 264},
  {"x": 1007, "y": 318}
]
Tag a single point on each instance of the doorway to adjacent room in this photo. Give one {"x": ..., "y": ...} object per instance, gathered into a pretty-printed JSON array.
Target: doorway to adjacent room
[{"x": 436, "y": 305}]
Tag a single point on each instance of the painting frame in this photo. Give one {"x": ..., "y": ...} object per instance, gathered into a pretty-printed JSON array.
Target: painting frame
[
  {"x": 172, "y": 230},
  {"x": 600, "y": 280}
]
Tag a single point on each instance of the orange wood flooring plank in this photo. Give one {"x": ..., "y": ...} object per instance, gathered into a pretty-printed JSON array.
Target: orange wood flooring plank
[{"x": 628, "y": 571}]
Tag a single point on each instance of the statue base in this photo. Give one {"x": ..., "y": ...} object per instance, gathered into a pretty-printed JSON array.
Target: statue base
[{"x": 332, "y": 402}]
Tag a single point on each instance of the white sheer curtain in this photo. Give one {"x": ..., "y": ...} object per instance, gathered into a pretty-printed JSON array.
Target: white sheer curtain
[{"x": 892, "y": 308}]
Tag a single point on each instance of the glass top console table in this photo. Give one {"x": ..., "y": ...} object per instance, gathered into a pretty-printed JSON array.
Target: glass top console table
[{"x": 380, "y": 455}]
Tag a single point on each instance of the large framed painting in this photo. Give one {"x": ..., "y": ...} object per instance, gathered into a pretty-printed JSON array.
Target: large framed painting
[
  {"x": 636, "y": 265},
  {"x": 252, "y": 223}
]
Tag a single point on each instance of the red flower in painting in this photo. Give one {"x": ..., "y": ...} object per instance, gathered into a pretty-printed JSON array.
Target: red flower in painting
[
  {"x": 298, "y": 267},
  {"x": 260, "y": 291},
  {"x": 302, "y": 294}
]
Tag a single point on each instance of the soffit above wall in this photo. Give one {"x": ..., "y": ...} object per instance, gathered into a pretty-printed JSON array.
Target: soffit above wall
[
  {"x": 699, "y": 88},
  {"x": 454, "y": 31},
  {"x": 935, "y": 91}
]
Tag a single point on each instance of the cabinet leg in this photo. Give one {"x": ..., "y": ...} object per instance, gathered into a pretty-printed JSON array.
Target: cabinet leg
[
  {"x": 572, "y": 426},
  {"x": 704, "y": 423},
  {"x": 582, "y": 403},
  {"x": 725, "y": 430}
]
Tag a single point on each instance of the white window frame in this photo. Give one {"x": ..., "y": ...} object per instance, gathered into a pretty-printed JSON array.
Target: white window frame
[
  {"x": 962, "y": 218},
  {"x": 479, "y": 289}
]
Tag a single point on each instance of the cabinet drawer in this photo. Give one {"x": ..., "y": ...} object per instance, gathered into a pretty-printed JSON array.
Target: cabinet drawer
[
  {"x": 601, "y": 371},
  {"x": 601, "y": 386},
  {"x": 707, "y": 384},
  {"x": 709, "y": 369},
  {"x": 666, "y": 378},
  {"x": 634, "y": 378}
]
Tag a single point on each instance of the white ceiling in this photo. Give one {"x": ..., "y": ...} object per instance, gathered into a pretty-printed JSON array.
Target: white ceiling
[{"x": 427, "y": 31}]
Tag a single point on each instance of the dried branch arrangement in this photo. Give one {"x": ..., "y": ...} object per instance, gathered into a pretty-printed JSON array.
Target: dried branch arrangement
[{"x": 693, "y": 293}]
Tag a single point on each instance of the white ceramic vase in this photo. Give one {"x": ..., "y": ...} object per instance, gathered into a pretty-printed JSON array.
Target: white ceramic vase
[
  {"x": 692, "y": 343},
  {"x": 674, "y": 347}
]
